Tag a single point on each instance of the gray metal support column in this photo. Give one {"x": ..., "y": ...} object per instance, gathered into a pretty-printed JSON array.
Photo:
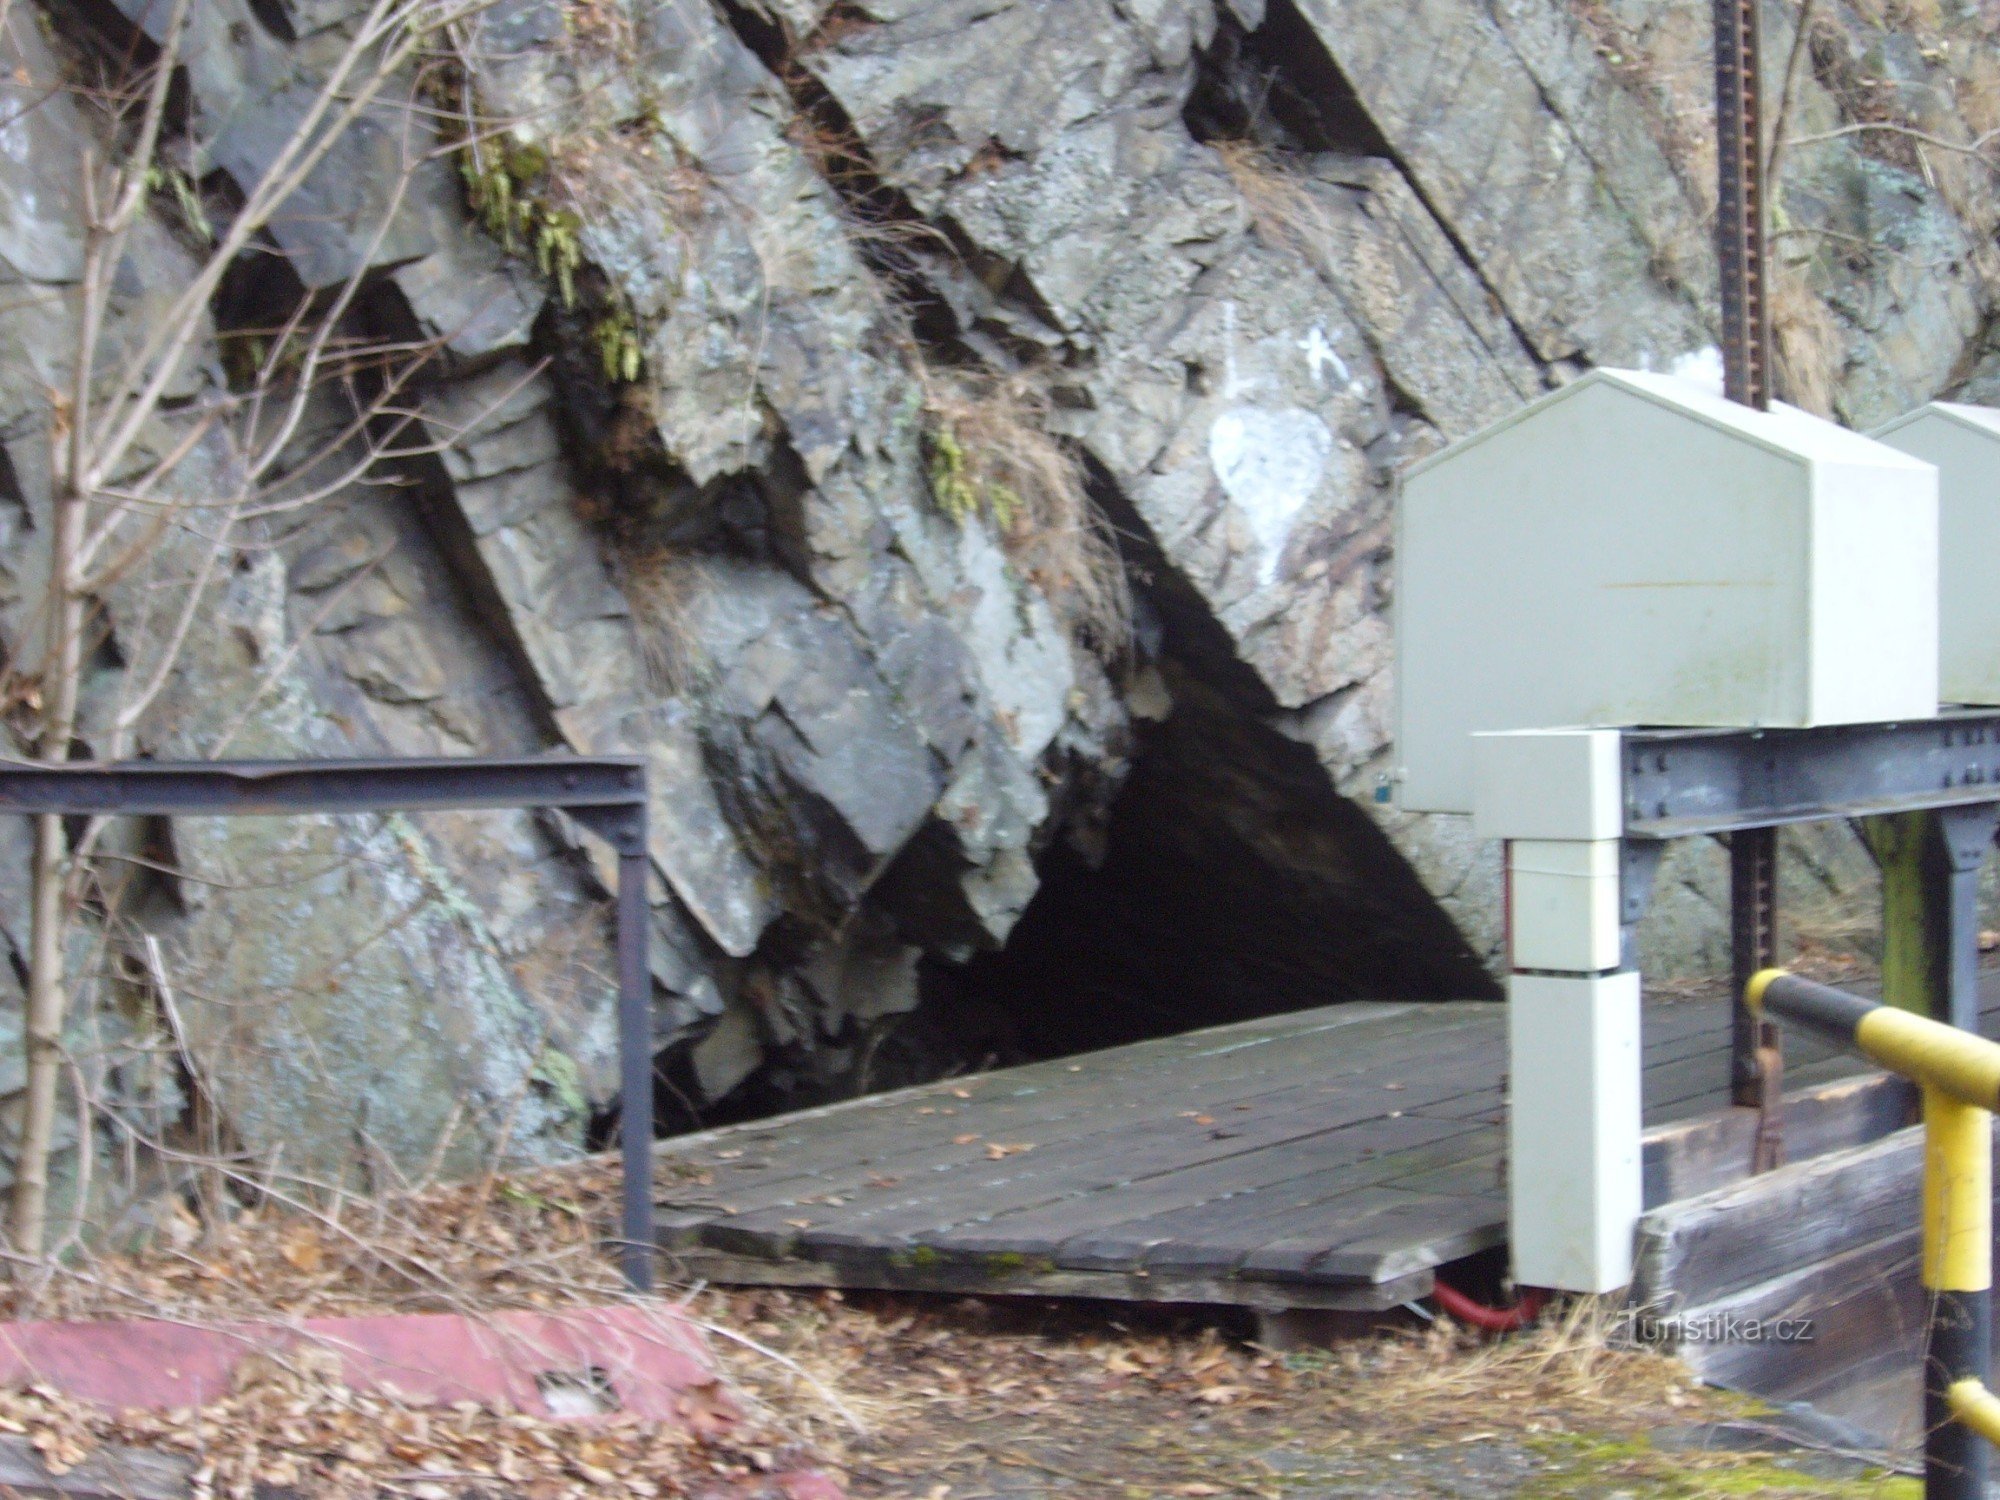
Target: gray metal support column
[
  {"x": 1967, "y": 835},
  {"x": 1930, "y": 864}
]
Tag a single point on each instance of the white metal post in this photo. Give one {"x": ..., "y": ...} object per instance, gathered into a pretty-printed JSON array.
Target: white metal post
[{"x": 1573, "y": 1135}]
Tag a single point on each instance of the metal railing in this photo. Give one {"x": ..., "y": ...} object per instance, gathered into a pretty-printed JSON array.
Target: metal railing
[
  {"x": 605, "y": 795},
  {"x": 1959, "y": 1074}
]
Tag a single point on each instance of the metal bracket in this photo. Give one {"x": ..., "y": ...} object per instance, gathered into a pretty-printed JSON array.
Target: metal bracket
[
  {"x": 1968, "y": 834},
  {"x": 1753, "y": 945},
  {"x": 1739, "y": 220},
  {"x": 1638, "y": 866}
]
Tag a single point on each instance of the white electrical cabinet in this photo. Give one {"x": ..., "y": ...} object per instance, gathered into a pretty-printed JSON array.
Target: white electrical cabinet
[
  {"x": 1964, "y": 443},
  {"x": 1632, "y": 550}
]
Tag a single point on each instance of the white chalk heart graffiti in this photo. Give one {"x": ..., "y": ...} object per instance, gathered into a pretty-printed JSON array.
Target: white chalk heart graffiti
[{"x": 1270, "y": 462}]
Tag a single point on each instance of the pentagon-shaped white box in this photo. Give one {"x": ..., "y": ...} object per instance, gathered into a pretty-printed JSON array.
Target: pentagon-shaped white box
[
  {"x": 1632, "y": 550},
  {"x": 1964, "y": 443}
]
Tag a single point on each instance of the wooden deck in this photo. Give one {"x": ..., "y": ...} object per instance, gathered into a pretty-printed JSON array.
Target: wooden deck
[{"x": 1327, "y": 1158}]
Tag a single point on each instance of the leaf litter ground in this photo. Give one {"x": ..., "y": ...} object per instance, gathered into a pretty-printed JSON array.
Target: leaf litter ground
[{"x": 896, "y": 1395}]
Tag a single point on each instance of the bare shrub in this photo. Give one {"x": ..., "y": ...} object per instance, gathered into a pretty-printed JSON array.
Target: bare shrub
[{"x": 147, "y": 479}]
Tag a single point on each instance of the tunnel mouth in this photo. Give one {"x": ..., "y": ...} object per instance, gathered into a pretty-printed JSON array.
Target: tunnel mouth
[{"x": 1231, "y": 881}]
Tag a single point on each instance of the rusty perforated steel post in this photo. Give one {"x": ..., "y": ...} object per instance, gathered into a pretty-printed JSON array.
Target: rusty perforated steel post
[
  {"x": 1753, "y": 945},
  {"x": 1740, "y": 209},
  {"x": 1746, "y": 377}
]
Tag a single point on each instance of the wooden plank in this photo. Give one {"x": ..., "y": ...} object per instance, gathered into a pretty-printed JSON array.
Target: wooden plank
[
  {"x": 1387, "y": 1226},
  {"x": 1482, "y": 1175},
  {"x": 1343, "y": 1145},
  {"x": 1135, "y": 1239},
  {"x": 1315, "y": 1212},
  {"x": 1670, "y": 1089},
  {"x": 1431, "y": 1229},
  {"x": 945, "y": 1172},
  {"x": 1486, "y": 1106},
  {"x": 1712, "y": 1150},
  {"x": 988, "y": 1188},
  {"x": 1019, "y": 1277},
  {"x": 1366, "y": 1151},
  {"x": 832, "y": 1151},
  {"x": 1693, "y": 1252},
  {"x": 1862, "y": 1303}
]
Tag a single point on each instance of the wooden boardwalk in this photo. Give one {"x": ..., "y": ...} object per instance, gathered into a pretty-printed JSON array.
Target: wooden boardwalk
[{"x": 1327, "y": 1158}]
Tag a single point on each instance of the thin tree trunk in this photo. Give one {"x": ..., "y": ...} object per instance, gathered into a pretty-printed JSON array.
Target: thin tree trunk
[
  {"x": 48, "y": 890},
  {"x": 1781, "y": 124}
]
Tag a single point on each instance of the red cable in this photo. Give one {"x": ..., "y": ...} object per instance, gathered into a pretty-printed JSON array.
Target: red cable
[{"x": 1492, "y": 1319}]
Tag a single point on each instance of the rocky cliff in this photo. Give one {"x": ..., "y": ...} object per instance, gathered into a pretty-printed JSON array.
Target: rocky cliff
[{"x": 955, "y": 441}]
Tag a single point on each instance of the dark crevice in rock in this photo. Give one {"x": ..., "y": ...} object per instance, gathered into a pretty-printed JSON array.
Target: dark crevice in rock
[
  {"x": 945, "y": 287},
  {"x": 892, "y": 238},
  {"x": 644, "y": 504},
  {"x": 1175, "y": 620},
  {"x": 273, "y": 17},
  {"x": 1276, "y": 86}
]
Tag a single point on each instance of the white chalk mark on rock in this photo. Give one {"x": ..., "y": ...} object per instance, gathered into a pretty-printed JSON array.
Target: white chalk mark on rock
[
  {"x": 1270, "y": 463},
  {"x": 1320, "y": 353}
]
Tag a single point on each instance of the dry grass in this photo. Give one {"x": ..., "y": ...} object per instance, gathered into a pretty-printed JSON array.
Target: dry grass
[
  {"x": 992, "y": 457},
  {"x": 661, "y": 586},
  {"x": 1102, "y": 1403},
  {"x": 1281, "y": 205},
  {"x": 912, "y": 1396},
  {"x": 1808, "y": 346}
]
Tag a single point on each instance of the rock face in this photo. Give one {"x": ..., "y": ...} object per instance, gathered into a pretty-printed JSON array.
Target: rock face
[{"x": 792, "y": 363}]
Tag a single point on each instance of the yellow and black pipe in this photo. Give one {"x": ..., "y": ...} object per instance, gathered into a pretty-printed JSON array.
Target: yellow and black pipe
[{"x": 1959, "y": 1074}]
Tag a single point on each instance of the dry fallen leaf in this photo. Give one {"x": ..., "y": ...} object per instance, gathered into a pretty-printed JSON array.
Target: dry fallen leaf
[
  {"x": 302, "y": 1250},
  {"x": 965, "y": 1140},
  {"x": 995, "y": 1151}
]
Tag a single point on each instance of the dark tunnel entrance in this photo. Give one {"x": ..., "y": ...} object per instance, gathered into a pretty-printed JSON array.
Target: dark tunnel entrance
[{"x": 1234, "y": 882}]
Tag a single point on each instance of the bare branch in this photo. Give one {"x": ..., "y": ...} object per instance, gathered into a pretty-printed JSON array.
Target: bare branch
[{"x": 1974, "y": 147}]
